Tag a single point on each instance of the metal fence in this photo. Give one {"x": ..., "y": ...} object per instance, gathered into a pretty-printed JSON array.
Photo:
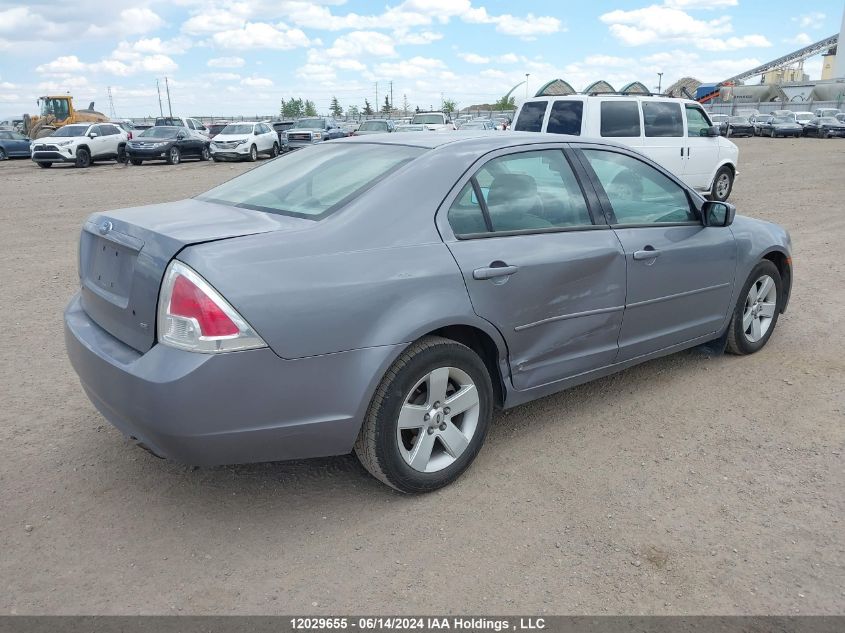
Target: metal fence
[
  {"x": 209, "y": 119},
  {"x": 735, "y": 107}
]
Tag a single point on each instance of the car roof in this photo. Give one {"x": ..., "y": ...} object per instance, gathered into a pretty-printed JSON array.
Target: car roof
[
  {"x": 610, "y": 95},
  {"x": 480, "y": 140}
]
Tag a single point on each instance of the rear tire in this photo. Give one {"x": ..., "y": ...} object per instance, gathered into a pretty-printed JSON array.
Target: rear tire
[
  {"x": 722, "y": 184},
  {"x": 205, "y": 154},
  {"x": 83, "y": 158},
  {"x": 121, "y": 154},
  {"x": 45, "y": 165},
  {"x": 275, "y": 151},
  {"x": 253, "y": 154},
  {"x": 3, "y": 155},
  {"x": 434, "y": 445},
  {"x": 136, "y": 161},
  {"x": 756, "y": 313}
]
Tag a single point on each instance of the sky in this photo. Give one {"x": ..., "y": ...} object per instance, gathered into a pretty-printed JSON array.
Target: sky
[{"x": 241, "y": 57}]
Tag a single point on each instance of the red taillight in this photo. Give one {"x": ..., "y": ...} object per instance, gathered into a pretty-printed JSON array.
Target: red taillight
[{"x": 190, "y": 302}]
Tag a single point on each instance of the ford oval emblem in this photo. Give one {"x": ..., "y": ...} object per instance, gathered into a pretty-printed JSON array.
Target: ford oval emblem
[{"x": 105, "y": 227}]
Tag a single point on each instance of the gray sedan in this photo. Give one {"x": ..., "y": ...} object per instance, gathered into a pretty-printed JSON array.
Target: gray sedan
[{"x": 384, "y": 295}]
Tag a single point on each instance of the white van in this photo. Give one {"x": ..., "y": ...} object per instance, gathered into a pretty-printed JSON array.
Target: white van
[{"x": 677, "y": 133}]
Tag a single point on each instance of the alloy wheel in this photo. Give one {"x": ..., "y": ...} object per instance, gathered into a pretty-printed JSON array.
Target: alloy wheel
[
  {"x": 438, "y": 419},
  {"x": 759, "y": 309},
  {"x": 174, "y": 156},
  {"x": 722, "y": 186}
]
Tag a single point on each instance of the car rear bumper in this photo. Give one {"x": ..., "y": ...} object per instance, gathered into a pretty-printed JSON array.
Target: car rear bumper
[{"x": 239, "y": 407}]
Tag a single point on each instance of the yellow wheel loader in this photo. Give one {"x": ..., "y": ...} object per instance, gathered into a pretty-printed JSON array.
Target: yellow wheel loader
[{"x": 58, "y": 111}]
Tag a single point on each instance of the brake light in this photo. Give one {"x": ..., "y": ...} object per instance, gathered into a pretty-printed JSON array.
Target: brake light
[{"x": 194, "y": 316}]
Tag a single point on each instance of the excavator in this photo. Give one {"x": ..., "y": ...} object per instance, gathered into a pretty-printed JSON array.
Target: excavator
[{"x": 57, "y": 111}]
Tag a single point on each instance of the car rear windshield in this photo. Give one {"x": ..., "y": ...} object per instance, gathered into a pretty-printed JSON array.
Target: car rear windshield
[
  {"x": 71, "y": 130},
  {"x": 161, "y": 132},
  {"x": 429, "y": 119},
  {"x": 313, "y": 182},
  {"x": 240, "y": 128},
  {"x": 375, "y": 126},
  {"x": 531, "y": 117}
]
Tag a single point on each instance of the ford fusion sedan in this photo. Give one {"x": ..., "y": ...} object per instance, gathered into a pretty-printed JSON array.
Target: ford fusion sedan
[
  {"x": 168, "y": 143},
  {"x": 781, "y": 126},
  {"x": 384, "y": 295},
  {"x": 245, "y": 141},
  {"x": 824, "y": 127}
]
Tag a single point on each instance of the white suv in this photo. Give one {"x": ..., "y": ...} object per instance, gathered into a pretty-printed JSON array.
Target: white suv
[
  {"x": 676, "y": 133},
  {"x": 245, "y": 140},
  {"x": 433, "y": 121},
  {"x": 81, "y": 144}
]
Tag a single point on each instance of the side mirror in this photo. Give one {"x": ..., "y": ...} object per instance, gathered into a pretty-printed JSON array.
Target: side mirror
[
  {"x": 93, "y": 135},
  {"x": 717, "y": 213},
  {"x": 713, "y": 130}
]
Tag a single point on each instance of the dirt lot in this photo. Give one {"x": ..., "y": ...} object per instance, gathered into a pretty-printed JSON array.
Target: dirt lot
[{"x": 692, "y": 484}]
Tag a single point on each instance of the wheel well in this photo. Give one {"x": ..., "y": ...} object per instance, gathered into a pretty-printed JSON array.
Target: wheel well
[
  {"x": 481, "y": 343},
  {"x": 784, "y": 266},
  {"x": 85, "y": 147}
]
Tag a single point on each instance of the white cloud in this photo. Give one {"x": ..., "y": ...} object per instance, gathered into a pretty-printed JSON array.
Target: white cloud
[
  {"x": 802, "y": 39},
  {"x": 529, "y": 27},
  {"x": 62, "y": 65},
  {"x": 812, "y": 20},
  {"x": 222, "y": 76},
  {"x": 659, "y": 24},
  {"x": 226, "y": 62},
  {"x": 353, "y": 45},
  {"x": 69, "y": 65},
  {"x": 472, "y": 58},
  {"x": 261, "y": 35},
  {"x": 257, "y": 82},
  {"x": 140, "y": 20},
  {"x": 414, "y": 67},
  {"x": 418, "y": 38},
  {"x": 701, "y": 4}
]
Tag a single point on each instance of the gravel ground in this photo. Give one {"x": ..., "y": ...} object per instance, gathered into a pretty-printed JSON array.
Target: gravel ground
[{"x": 690, "y": 484}]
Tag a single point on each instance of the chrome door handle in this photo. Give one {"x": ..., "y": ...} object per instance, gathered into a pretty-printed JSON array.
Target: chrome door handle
[
  {"x": 491, "y": 272},
  {"x": 647, "y": 253}
]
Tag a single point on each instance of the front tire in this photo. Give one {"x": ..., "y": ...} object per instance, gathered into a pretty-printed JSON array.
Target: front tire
[
  {"x": 722, "y": 184},
  {"x": 174, "y": 156},
  {"x": 45, "y": 165},
  {"x": 83, "y": 158},
  {"x": 253, "y": 154},
  {"x": 136, "y": 161},
  {"x": 428, "y": 418},
  {"x": 275, "y": 151},
  {"x": 3, "y": 155},
  {"x": 756, "y": 313},
  {"x": 206, "y": 153},
  {"x": 121, "y": 154}
]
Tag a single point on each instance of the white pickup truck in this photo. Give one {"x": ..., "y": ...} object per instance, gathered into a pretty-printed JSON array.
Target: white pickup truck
[
  {"x": 195, "y": 128},
  {"x": 433, "y": 121}
]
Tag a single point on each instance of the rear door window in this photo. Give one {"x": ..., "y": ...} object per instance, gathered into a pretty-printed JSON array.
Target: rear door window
[
  {"x": 662, "y": 119},
  {"x": 565, "y": 117},
  {"x": 620, "y": 118},
  {"x": 531, "y": 116}
]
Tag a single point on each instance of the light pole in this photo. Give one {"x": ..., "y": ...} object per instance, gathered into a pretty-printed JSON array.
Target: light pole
[
  {"x": 527, "y": 75},
  {"x": 659, "y": 82}
]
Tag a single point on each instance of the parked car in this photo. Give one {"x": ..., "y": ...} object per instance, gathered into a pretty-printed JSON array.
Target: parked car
[
  {"x": 840, "y": 117},
  {"x": 718, "y": 119},
  {"x": 312, "y": 130},
  {"x": 737, "y": 126},
  {"x": 823, "y": 112},
  {"x": 477, "y": 125},
  {"x": 824, "y": 127},
  {"x": 759, "y": 120},
  {"x": 215, "y": 128},
  {"x": 14, "y": 145},
  {"x": 783, "y": 113},
  {"x": 127, "y": 126},
  {"x": 245, "y": 141},
  {"x": 374, "y": 126},
  {"x": 781, "y": 126},
  {"x": 802, "y": 117},
  {"x": 410, "y": 128},
  {"x": 350, "y": 127},
  {"x": 170, "y": 143},
  {"x": 81, "y": 144},
  {"x": 433, "y": 121},
  {"x": 677, "y": 133},
  {"x": 240, "y": 326},
  {"x": 195, "y": 127}
]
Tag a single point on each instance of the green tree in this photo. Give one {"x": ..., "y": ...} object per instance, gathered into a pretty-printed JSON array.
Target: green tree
[
  {"x": 368, "y": 109},
  {"x": 293, "y": 108},
  {"x": 385, "y": 109},
  {"x": 335, "y": 108},
  {"x": 505, "y": 103},
  {"x": 449, "y": 106},
  {"x": 282, "y": 108},
  {"x": 309, "y": 108},
  {"x": 352, "y": 111}
]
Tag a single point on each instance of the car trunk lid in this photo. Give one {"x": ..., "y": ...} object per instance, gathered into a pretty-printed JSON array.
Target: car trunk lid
[{"x": 123, "y": 256}]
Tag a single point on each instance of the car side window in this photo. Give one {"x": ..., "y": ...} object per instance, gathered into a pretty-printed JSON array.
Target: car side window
[
  {"x": 531, "y": 117},
  {"x": 190, "y": 123},
  {"x": 696, "y": 120},
  {"x": 518, "y": 192},
  {"x": 565, "y": 118},
  {"x": 5, "y": 135},
  {"x": 95, "y": 129},
  {"x": 662, "y": 119},
  {"x": 639, "y": 193},
  {"x": 620, "y": 119}
]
